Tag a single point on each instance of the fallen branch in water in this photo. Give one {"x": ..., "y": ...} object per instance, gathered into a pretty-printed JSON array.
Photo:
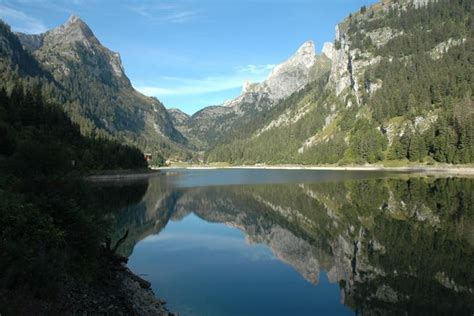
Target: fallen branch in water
[
  {"x": 111, "y": 254},
  {"x": 120, "y": 241}
]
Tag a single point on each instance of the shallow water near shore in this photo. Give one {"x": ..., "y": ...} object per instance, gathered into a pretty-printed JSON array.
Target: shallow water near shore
[{"x": 279, "y": 242}]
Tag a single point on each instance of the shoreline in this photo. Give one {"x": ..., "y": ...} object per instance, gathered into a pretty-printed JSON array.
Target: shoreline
[
  {"x": 459, "y": 170},
  {"x": 122, "y": 293},
  {"x": 115, "y": 175},
  {"x": 119, "y": 291}
]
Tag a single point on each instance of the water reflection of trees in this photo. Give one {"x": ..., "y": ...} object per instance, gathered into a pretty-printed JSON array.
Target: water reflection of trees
[{"x": 393, "y": 245}]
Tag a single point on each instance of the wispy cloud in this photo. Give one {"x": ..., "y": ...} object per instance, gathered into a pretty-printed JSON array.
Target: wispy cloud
[
  {"x": 164, "y": 12},
  {"x": 149, "y": 10},
  {"x": 256, "y": 69},
  {"x": 21, "y": 21},
  {"x": 181, "y": 16},
  {"x": 176, "y": 86}
]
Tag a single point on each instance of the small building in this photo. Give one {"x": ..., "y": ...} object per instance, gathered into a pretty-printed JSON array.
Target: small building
[{"x": 148, "y": 157}]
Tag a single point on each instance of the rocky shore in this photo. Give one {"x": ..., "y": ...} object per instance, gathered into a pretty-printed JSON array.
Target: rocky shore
[
  {"x": 120, "y": 293},
  {"x": 115, "y": 291}
]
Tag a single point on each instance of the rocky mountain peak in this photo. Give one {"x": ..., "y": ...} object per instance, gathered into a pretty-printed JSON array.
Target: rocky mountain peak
[
  {"x": 74, "y": 19},
  {"x": 248, "y": 86},
  {"x": 307, "y": 48},
  {"x": 328, "y": 50},
  {"x": 286, "y": 78},
  {"x": 74, "y": 30},
  {"x": 304, "y": 57}
]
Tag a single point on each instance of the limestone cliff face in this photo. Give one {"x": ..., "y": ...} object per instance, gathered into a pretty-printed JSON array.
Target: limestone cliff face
[
  {"x": 286, "y": 78},
  {"x": 341, "y": 76},
  {"x": 349, "y": 64}
]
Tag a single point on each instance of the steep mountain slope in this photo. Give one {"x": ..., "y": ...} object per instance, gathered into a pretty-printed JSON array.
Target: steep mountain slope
[
  {"x": 217, "y": 123},
  {"x": 178, "y": 117},
  {"x": 16, "y": 64},
  {"x": 181, "y": 123},
  {"x": 102, "y": 99},
  {"x": 400, "y": 88}
]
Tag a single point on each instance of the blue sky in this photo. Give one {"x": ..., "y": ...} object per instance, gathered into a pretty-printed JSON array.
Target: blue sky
[{"x": 191, "y": 54}]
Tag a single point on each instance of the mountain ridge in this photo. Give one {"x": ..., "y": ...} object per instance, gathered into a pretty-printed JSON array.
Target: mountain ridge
[
  {"x": 213, "y": 123},
  {"x": 100, "y": 97}
]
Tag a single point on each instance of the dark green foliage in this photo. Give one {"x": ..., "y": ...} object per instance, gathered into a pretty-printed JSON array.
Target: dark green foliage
[
  {"x": 367, "y": 144},
  {"x": 49, "y": 230},
  {"x": 157, "y": 160},
  {"x": 421, "y": 84},
  {"x": 329, "y": 151},
  {"x": 28, "y": 241},
  {"x": 39, "y": 138},
  {"x": 48, "y": 234}
]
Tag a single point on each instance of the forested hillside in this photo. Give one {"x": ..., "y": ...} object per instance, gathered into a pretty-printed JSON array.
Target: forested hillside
[
  {"x": 400, "y": 88},
  {"x": 236, "y": 117},
  {"x": 29, "y": 145},
  {"x": 88, "y": 80},
  {"x": 37, "y": 137}
]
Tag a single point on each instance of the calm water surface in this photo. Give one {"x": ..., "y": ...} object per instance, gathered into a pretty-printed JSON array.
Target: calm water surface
[{"x": 274, "y": 242}]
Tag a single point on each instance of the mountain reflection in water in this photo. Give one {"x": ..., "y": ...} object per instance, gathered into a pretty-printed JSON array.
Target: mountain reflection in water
[{"x": 392, "y": 243}]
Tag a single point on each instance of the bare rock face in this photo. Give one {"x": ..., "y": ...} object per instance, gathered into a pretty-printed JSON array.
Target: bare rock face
[
  {"x": 249, "y": 87},
  {"x": 442, "y": 48},
  {"x": 286, "y": 78},
  {"x": 421, "y": 3},
  {"x": 293, "y": 74},
  {"x": 290, "y": 249},
  {"x": 328, "y": 50},
  {"x": 349, "y": 63},
  {"x": 74, "y": 30},
  {"x": 341, "y": 76}
]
